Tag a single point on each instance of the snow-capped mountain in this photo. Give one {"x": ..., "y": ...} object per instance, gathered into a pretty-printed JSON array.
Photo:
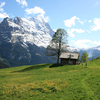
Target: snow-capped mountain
[
  {"x": 26, "y": 30},
  {"x": 73, "y": 49},
  {"x": 96, "y": 48},
  {"x": 92, "y": 52},
  {"x": 23, "y": 40}
]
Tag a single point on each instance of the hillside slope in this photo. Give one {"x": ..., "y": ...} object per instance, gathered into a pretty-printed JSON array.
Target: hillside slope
[
  {"x": 3, "y": 65},
  {"x": 17, "y": 55},
  {"x": 51, "y": 82}
]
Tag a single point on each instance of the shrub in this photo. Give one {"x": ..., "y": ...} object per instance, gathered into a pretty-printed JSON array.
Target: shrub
[{"x": 98, "y": 58}]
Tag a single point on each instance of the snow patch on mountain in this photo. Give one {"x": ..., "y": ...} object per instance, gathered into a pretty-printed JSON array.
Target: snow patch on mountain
[
  {"x": 73, "y": 49},
  {"x": 28, "y": 30},
  {"x": 96, "y": 48}
]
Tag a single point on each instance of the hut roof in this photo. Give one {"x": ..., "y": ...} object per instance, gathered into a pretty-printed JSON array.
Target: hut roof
[{"x": 70, "y": 55}]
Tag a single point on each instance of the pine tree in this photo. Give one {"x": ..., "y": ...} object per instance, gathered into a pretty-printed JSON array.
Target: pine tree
[{"x": 57, "y": 44}]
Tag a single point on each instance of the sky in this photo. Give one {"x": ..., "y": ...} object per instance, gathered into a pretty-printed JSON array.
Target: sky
[{"x": 79, "y": 18}]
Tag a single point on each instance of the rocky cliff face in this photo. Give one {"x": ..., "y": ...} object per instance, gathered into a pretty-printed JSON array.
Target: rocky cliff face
[
  {"x": 23, "y": 41},
  {"x": 34, "y": 30}
]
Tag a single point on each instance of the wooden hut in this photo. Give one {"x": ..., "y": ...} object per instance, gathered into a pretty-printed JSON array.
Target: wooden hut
[{"x": 69, "y": 58}]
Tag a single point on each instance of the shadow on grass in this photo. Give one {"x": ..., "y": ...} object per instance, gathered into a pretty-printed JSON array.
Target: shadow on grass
[
  {"x": 56, "y": 65},
  {"x": 32, "y": 67}
]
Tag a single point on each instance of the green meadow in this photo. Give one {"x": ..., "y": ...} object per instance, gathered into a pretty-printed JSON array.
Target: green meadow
[{"x": 51, "y": 82}]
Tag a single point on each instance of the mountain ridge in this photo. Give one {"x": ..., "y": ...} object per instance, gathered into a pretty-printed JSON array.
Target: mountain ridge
[
  {"x": 23, "y": 40},
  {"x": 27, "y": 30},
  {"x": 93, "y": 52}
]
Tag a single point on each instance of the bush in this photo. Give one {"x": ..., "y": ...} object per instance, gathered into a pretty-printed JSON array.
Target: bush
[{"x": 98, "y": 58}]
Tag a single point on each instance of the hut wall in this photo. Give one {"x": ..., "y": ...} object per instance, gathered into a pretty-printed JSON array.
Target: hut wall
[{"x": 67, "y": 61}]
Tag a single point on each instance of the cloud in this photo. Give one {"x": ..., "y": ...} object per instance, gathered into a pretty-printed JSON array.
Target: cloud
[
  {"x": 1, "y": 10},
  {"x": 2, "y": 4},
  {"x": 35, "y": 10},
  {"x": 22, "y": 2},
  {"x": 38, "y": 11},
  {"x": 54, "y": 30},
  {"x": 90, "y": 21},
  {"x": 88, "y": 31},
  {"x": 2, "y": 13},
  {"x": 83, "y": 43},
  {"x": 70, "y": 32},
  {"x": 96, "y": 24},
  {"x": 75, "y": 30},
  {"x": 71, "y": 22},
  {"x": 46, "y": 19}
]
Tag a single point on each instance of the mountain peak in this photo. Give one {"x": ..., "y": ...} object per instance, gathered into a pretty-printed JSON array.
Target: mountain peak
[
  {"x": 40, "y": 18},
  {"x": 17, "y": 20},
  {"x": 24, "y": 30},
  {"x": 5, "y": 20}
]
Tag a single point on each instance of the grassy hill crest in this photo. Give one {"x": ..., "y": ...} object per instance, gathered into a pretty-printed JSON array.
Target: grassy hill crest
[{"x": 51, "y": 82}]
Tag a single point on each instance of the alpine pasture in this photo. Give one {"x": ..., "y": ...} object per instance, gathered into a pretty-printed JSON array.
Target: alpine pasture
[{"x": 51, "y": 82}]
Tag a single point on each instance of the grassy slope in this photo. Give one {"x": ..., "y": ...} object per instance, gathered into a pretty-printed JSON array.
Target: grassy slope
[{"x": 51, "y": 82}]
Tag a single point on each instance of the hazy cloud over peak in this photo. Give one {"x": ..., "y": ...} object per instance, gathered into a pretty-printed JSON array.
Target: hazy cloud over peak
[
  {"x": 85, "y": 43},
  {"x": 35, "y": 10}
]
